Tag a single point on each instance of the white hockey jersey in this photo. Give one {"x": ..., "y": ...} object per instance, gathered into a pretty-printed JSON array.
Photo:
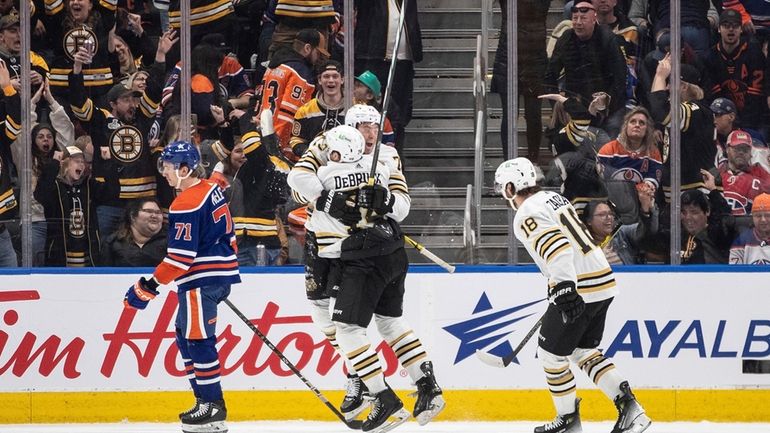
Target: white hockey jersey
[
  {"x": 549, "y": 228},
  {"x": 306, "y": 185},
  {"x": 749, "y": 249},
  {"x": 337, "y": 176}
]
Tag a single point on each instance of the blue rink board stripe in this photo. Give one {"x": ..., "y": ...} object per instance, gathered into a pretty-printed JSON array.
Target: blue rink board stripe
[{"x": 415, "y": 269}]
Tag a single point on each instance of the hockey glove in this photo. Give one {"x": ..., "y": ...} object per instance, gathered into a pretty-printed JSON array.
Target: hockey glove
[
  {"x": 377, "y": 198},
  {"x": 339, "y": 206},
  {"x": 566, "y": 298},
  {"x": 141, "y": 293}
]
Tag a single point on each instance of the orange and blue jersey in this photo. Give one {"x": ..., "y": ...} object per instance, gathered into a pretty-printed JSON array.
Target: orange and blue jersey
[{"x": 201, "y": 240}]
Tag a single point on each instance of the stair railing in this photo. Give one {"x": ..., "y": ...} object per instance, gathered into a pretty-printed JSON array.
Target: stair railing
[{"x": 480, "y": 127}]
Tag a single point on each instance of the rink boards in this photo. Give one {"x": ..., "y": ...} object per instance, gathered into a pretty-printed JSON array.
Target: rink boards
[{"x": 69, "y": 352}]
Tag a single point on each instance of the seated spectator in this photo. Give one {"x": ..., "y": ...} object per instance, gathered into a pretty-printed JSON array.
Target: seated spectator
[
  {"x": 633, "y": 156},
  {"x": 67, "y": 197},
  {"x": 742, "y": 180},
  {"x": 623, "y": 247},
  {"x": 140, "y": 240},
  {"x": 708, "y": 227},
  {"x": 752, "y": 247}
]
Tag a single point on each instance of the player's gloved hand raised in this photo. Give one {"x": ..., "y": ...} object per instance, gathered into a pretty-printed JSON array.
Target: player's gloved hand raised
[
  {"x": 566, "y": 298},
  {"x": 339, "y": 205},
  {"x": 141, "y": 293},
  {"x": 375, "y": 197}
]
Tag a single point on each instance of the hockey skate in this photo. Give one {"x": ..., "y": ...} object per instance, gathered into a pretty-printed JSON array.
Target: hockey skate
[
  {"x": 430, "y": 401},
  {"x": 198, "y": 402},
  {"x": 631, "y": 416},
  {"x": 209, "y": 418},
  {"x": 569, "y": 423},
  {"x": 354, "y": 402},
  {"x": 387, "y": 413}
]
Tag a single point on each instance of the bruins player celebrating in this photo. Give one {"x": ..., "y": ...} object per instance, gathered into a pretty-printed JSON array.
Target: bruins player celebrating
[{"x": 581, "y": 287}]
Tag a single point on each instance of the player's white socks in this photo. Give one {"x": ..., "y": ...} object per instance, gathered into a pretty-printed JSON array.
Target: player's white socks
[
  {"x": 600, "y": 370},
  {"x": 366, "y": 362},
  {"x": 407, "y": 347},
  {"x": 561, "y": 381},
  {"x": 319, "y": 312}
]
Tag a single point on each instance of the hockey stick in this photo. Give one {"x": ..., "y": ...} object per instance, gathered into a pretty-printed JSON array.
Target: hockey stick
[
  {"x": 352, "y": 424},
  {"x": 506, "y": 360},
  {"x": 432, "y": 257}
]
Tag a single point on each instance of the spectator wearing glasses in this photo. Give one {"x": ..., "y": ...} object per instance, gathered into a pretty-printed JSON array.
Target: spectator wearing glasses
[
  {"x": 752, "y": 247},
  {"x": 735, "y": 69},
  {"x": 590, "y": 58},
  {"x": 742, "y": 180},
  {"x": 140, "y": 240}
]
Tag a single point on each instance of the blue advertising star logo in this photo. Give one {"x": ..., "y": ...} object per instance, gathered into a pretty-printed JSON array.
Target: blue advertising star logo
[{"x": 481, "y": 331}]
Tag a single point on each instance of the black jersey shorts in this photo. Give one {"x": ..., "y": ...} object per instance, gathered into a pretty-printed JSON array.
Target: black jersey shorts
[{"x": 586, "y": 332}]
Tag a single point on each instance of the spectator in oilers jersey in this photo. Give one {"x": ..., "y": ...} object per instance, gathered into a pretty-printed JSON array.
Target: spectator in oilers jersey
[
  {"x": 742, "y": 181},
  {"x": 290, "y": 82},
  {"x": 752, "y": 246}
]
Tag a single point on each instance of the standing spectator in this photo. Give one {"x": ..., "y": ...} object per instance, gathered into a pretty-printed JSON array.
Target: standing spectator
[
  {"x": 698, "y": 150},
  {"x": 735, "y": 69},
  {"x": 321, "y": 113},
  {"x": 10, "y": 52},
  {"x": 201, "y": 260},
  {"x": 624, "y": 247},
  {"x": 290, "y": 82},
  {"x": 755, "y": 18},
  {"x": 140, "y": 240},
  {"x": 707, "y": 222},
  {"x": 696, "y": 20},
  {"x": 206, "y": 17},
  {"x": 742, "y": 181},
  {"x": 530, "y": 27},
  {"x": 8, "y": 204},
  {"x": 231, "y": 74},
  {"x": 68, "y": 199},
  {"x": 376, "y": 20},
  {"x": 752, "y": 247},
  {"x": 291, "y": 16},
  {"x": 591, "y": 60},
  {"x": 367, "y": 89},
  {"x": 633, "y": 156},
  {"x": 607, "y": 13}
]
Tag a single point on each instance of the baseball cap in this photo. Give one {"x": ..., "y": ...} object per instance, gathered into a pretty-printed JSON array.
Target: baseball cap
[
  {"x": 8, "y": 21},
  {"x": 730, "y": 16},
  {"x": 217, "y": 40},
  {"x": 368, "y": 79},
  {"x": 722, "y": 106},
  {"x": 73, "y": 151},
  {"x": 689, "y": 74},
  {"x": 738, "y": 137},
  {"x": 331, "y": 65},
  {"x": 761, "y": 203},
  {"x": 315, "y": 38},
  {"x": 119, "y": 90}
]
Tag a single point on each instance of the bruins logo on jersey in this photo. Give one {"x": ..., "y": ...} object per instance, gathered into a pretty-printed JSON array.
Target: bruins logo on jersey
[
  {"x": 126, "y": 144},
  {"x": 75, "y": 38}
]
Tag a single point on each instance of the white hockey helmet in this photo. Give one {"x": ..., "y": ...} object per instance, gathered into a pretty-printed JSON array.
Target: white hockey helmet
[
  {"x": 518, "y": 171},
  {"x": 362, "y": 113},
  {"x": 347, "y": 141}
]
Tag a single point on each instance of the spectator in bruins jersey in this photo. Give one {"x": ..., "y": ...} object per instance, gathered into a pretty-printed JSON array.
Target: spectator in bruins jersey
[
  {"x": 263, "y": 184},
  {"x": 290, "y": 82},
  {"x": 735, "y": 69},
  {"x": 10, "y": 53},
  {"x": 291, "y": 16},
  {"x": 742, "y": 180},
  {"x": 752, "y": 247},
  {"x": 8, "y": 203},
  {"x": 72, "y": 24},
  {"x": 67, "y": 197},
  {"x": 140, "y": 240},
  {"x": 633, "y": 156},
  {"x": 321, "y": 113},
  {"x": 122, "y": 152},
  {"x": 698, "y": 150}
]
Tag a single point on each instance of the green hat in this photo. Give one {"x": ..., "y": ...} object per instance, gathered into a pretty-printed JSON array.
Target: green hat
[{"x": 368, "y": 79}]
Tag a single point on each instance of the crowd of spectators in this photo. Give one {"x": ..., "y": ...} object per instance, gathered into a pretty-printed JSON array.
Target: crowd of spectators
[{"x": 106, "y": 98}]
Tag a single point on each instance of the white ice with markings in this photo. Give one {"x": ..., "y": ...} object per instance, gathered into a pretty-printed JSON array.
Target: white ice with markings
[{"x": 410, "y": 427}]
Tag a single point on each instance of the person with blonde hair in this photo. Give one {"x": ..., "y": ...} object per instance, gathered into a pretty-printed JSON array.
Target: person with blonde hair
[{"x": 633, "y": 156}]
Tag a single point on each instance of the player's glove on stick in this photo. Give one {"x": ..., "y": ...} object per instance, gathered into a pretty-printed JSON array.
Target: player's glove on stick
[
  {"x": 377, "y": 198},
  {"x": 141, "y": 293},
  {"x": 339, "y": 206},
  {"x": 566, "y": 298}
]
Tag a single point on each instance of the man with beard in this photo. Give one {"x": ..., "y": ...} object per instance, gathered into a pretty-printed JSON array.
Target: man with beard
[
  {"x": 742, "y": 181},
  {"x": 122, "y": 154}
]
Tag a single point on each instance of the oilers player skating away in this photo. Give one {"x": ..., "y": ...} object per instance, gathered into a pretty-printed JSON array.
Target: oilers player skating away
[
  {"x": 201, "y": 260},
  {"x": 581, "y": 287}
]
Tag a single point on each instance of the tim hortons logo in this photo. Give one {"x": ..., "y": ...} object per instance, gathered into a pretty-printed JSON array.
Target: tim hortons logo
[{"x": 239, "y": 348}]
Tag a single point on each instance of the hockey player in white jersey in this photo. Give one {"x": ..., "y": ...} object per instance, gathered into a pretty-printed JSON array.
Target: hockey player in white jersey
[{"x": 581, "y": 287}]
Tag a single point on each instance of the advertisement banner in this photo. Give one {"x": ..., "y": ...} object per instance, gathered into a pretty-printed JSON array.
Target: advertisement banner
[{"x": 64, "y": 332}]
